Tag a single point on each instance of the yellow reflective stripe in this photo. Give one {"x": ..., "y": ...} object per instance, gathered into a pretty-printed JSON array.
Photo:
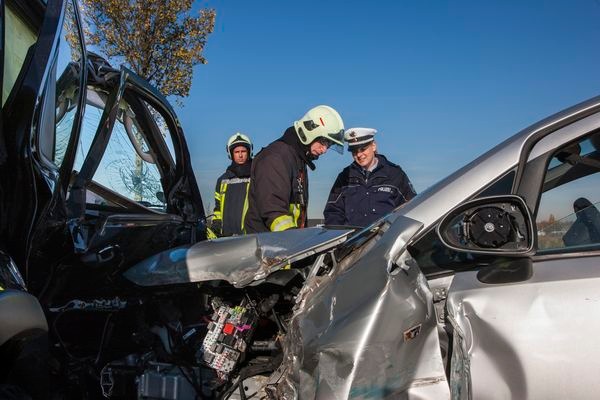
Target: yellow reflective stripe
[
  {"x": 218, "y": 201},
  {"x": 295, "y": 211},
  {"x": 282, "y": 223},
  {"x": 223, "y": 192},
  {"x": 1, "y": 288},
  {"x": 210, "y": 234},
  {"x": 245, "y": 209}
]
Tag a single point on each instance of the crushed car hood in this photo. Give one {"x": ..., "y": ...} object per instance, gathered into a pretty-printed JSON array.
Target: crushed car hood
[{"x": 239, "y": 260}]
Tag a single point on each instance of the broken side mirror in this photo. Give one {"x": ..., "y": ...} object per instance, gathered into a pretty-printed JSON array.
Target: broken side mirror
[{"x": 497, "y": 225}]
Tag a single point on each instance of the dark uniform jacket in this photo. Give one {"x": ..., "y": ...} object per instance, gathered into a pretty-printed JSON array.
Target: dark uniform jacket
[
  {"x": 231, "y": 200},
  {"x": 279, "y": 186},
  {"x": 360, "y": 197}
]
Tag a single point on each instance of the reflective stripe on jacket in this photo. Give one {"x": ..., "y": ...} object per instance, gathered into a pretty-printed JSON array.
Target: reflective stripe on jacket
[{"x": 287, "y": 221}]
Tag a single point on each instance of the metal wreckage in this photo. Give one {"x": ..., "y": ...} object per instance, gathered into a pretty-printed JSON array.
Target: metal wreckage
[{"x": 113, "y": 291}]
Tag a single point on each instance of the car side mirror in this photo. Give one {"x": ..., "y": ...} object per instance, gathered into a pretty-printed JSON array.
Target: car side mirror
[{"x": 496, "y": 225}]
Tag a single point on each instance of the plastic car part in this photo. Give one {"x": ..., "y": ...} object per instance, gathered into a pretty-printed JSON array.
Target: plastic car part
[
  {"x": 164, "y": 381},
  {"x": 489, "y": 227},
  {"x": 227, "y": 338}
]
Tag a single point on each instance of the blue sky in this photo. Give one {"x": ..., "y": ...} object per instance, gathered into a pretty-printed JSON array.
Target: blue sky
[{"x": 441, "y": 81}]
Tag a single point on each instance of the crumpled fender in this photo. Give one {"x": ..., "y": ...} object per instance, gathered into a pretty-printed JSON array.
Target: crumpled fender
[{"x": 366, "y": 331}]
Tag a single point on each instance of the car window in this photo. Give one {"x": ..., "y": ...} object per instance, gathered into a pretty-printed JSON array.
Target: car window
[
  {"x": 68, "y": 81},
  {"x": 62, "y": 92},
  {"x": 128, "y": 165},
  {"x": 19, "y": 36},
  {"x": 89, "y": 125},
  {"x": 434, "y": 258},
  {"x": 162, "y": 126},
  {"x": 568, "y": 218}
]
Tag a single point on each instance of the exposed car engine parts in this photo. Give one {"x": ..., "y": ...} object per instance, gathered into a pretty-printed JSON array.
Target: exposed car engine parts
[
  {"x": 190, "y": 345},
  {"x": 186, "y": 323},
  {"x": 228, "y": 335},
  {"x": 94, "y": 305},
  {"x": 157, "y": 381}
]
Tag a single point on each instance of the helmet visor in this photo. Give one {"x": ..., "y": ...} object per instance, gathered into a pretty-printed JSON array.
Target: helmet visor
[
  {"x": 330, "y": 144},
  {"x": 337, "y": 140}
]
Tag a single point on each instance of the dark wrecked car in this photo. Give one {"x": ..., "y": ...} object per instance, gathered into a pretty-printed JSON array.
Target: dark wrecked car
[
  {"x": 97, "y": 187},
  {"x": 483, "y": 286}
]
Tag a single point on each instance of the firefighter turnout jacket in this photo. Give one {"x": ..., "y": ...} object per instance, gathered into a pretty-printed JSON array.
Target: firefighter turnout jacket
[
  {"x": 231, "y": 200},
  {"x": 279, "y": 186},
  {"x": 359, "y": 197}
]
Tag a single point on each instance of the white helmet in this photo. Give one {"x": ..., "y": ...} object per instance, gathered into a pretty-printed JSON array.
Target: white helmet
[
  {"x": 238, "y": 139},
  {"x": 324, "y": 122}
]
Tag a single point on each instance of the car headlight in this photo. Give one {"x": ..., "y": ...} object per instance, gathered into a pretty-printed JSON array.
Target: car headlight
[{"x": 10, "y": 277}]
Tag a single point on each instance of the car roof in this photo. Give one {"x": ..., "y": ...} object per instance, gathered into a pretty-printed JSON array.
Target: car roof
[{"x": 467, "y": 181}]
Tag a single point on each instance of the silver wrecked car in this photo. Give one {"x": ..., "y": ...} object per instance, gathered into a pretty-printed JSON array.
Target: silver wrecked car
[{"x": 484, "y": 286}]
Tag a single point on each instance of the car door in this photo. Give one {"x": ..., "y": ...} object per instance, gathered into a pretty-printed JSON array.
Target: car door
[
  {"x": 132, "y": 192},
  {"x": 534, "y": 336},
  {"x": 44, "y": 59}
]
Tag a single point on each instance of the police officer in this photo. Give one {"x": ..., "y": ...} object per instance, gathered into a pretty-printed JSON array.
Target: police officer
[
  {"x": 369, "y": 188},
  {"x": 278, "y": 197},
  {"x": 231, "y": 191}
]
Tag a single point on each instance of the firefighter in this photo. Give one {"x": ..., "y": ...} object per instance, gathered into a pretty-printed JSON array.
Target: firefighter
[
  {"x": 278, "y": 198},
  {"x": 369, "y": 188},
  {"x": 231, "y": 191}
]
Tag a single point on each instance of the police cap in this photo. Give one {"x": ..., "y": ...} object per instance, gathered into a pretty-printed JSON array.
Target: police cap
[{"x": 358, "y": 137}]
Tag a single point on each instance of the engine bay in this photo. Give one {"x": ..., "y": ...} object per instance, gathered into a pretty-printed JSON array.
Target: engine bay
[{"x": 209, "y": 340}]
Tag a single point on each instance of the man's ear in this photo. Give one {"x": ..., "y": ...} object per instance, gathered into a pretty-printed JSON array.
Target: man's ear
[{"x": 374, "y": 146}]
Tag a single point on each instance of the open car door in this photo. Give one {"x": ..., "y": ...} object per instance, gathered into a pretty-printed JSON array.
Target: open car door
[
  {"x": 44, "y": 59},
  {"x": 133, "y": 192}
]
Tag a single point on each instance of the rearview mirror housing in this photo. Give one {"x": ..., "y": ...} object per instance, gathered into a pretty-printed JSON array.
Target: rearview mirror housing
[{"x": 500, "y": 225}]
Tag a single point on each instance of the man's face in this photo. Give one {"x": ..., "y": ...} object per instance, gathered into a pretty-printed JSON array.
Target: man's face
[
  {"x": 319, "y": 147},
  {"x": 240, "y": 154},
  {"x": 365, "y": 155}
]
